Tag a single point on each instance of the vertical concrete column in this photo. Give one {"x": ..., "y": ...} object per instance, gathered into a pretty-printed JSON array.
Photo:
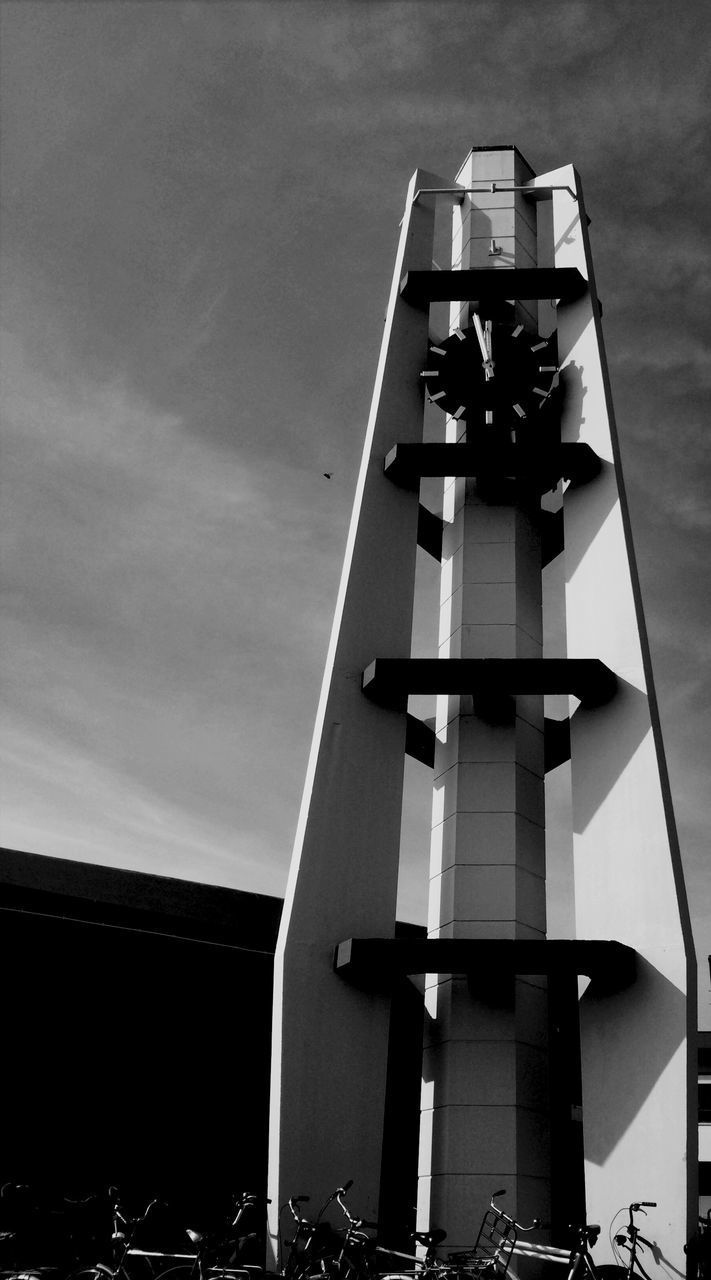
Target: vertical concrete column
[
  {"x": 485, "y": 1092},
  {"x": 637, "y": 1047},
  {"x": 330, "y": 1040}
]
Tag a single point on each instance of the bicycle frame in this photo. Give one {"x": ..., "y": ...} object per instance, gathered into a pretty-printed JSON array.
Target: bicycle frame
[{"x": 635, "y": 1240}]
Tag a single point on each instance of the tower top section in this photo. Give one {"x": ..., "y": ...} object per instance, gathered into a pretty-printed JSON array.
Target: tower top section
[{"x": 505, "y": 147}]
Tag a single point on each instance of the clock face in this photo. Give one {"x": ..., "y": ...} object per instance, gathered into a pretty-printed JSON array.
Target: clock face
[{"x": 492, "y": 373}]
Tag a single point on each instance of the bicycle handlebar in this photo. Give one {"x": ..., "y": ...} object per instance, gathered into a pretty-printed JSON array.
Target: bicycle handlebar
[
  {"x": 535, "y": 1225},
  {"x": 354, "y": 1224},
  {"x": 241, "y": 1203},
  {"x": 293, "y": 1203},
  {"x": 638, "y": 1206},
  {"x": 335, "y": 1195}
]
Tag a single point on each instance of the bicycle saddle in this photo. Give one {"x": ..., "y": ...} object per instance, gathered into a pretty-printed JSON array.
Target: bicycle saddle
[
  {"x": 430, "y": 1238},
  {"x": 590, "y": 1231}
]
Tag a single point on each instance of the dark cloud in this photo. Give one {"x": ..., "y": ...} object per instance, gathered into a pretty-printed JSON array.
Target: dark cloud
[{"x": 201, "y": 213}]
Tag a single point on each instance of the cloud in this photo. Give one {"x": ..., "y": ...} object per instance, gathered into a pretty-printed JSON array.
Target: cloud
[
  {"x": 201, "y": 216},
  {"x": 65, "y": 803},
  {"x": 145, "y": 625}
]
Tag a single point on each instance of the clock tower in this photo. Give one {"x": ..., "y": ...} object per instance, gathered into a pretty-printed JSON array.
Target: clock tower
[{"x": 558, "y": 1062}]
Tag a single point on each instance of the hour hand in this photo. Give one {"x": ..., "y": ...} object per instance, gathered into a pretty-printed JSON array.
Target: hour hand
[{"x": 484, "y": 338}]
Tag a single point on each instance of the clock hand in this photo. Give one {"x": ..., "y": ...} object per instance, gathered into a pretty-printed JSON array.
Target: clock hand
[
  {"x": 488, "y": 340},
  {"x": 484, "y": 346}
]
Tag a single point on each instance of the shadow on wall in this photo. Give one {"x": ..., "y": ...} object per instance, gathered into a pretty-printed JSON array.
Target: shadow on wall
[
  {"x": 590, "y": 504},
  {"x": 570, "y": 235},
  {"x": 624, "y": 1067},
  {"x": 573, "y": 394},
  {"x": 609, "y": 736}
]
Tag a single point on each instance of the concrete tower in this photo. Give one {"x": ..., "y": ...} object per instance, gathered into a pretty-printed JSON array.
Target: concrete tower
[
  {"x": 485, "y": 1078},
  {"x": 539, "y": 1053}
]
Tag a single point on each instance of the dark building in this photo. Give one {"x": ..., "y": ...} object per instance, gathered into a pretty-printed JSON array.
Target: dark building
[
  {"x": 136, "y": 1036},
  {"x": 136, "y": 1018},
  {"x": 136, "y": 1029}
]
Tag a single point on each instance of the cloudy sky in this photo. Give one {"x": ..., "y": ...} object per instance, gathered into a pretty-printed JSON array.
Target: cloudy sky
[{"x": 201, "y": 207}]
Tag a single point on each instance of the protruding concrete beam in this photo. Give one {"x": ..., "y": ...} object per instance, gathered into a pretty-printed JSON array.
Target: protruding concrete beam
[
  {"x": 609, "y": 965},
  {"x": 389, "y": 681},
  {"x": 484, "y": 285},
  {"x": 556, "y": 743},
  {"x": 429, "y": 532},
  {"x": 406, "y": 464},
  {"x": 420, "y": 739},
  {"x": 552, "y": 535}
]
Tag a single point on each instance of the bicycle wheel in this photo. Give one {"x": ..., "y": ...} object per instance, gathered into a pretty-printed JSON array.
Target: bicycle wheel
[
  {"x": 182, "y": 1272},
  {"x": 98, "y": 1272},
  {"x": 25, "y": 1273},
  {"x": 136, "y": 1269}
]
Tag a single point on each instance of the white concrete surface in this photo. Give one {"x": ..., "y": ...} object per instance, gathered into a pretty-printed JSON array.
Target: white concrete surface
[
  {"x": 484, "y": 1099},
  {"x": 639, "y": 1061},
  {"x": 484, "y": 1087},
  {"x": 330, "y": 1039}
]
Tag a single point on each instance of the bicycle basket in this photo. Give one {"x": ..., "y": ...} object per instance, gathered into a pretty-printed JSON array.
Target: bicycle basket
[{"x": 494, "y": 1245}]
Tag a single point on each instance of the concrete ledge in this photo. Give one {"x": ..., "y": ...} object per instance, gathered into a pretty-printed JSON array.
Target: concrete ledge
[
  {"x": 406, "y": 464},
  {"x": 389, "y": 681},
  {"x": 484, "y": 285},
  {"x": 430, "y": 529},
  {"x": 552, "y": 535},
  {"x": 369, "y": 961},
  {"x": 556, "y": 743},
  {"x": 421, "y": 741}
]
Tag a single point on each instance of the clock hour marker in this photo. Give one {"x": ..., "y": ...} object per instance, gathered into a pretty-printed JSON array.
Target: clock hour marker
[
  {"x": 540, "y": 392},
  {"x": 438, "y": 351},
  {"x": 489, "y": 417},
  {"x": 438, "y": 396},
  {"x": 539, "y": 346},
  {"x": 517, "y": 331},
  {"x": 521, "y": 412},
  {"x": 547, "y": 368},
  {"x": 459, "y": 411},
  {"x": 430, "y": 373},
  {"x": 459, "y": 334}
]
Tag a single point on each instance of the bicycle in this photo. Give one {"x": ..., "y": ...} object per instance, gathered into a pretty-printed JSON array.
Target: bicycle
[
  {"x": 497, "y": 1241},
  {"x": 315, "y": 1243},
  {"x": 355, "y": 1257},
  {"x": 219, "y": 1255},
  {"x": 424, "y": 1265},
  {"x": 698, "y": 1249},
  {"x": 579, "y": 1261},
  {"x": 45, "y": 1233},
  {"x": 489, "y": 1257},
  {"x": 123, "y": 1235},
  {"x": 632, "y": 1240}
]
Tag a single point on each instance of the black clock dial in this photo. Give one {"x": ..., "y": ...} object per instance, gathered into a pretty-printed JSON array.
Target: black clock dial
[{"x": 492, "y": 373}]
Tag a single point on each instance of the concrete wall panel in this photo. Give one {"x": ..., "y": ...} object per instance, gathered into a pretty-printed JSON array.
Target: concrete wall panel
[
  {"x": 330, "y": 1040},
  {"x": 637, "y": 1047}
]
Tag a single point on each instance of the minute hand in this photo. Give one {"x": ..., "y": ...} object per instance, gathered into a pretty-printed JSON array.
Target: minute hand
[{"x": 487, "y": 360}]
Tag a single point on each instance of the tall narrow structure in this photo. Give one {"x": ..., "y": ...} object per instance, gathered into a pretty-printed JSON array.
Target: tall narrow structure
[
  {"x": 485, "y": 1078},
  {"x": 562, "y": 1069}
]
